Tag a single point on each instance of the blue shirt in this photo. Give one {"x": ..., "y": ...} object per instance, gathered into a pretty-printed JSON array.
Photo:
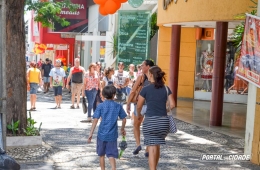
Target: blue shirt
[{"x": 109, "y": 111}]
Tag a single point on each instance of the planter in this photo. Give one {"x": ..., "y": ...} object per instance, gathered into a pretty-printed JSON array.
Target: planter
[{"x": 13, "y": 141}]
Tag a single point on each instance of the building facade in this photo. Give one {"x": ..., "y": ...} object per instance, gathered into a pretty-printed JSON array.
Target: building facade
[{"x": 194, "y": 39}]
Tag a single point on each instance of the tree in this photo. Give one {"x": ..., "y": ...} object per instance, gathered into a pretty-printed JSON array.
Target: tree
[{"x": 15, "y": 68}]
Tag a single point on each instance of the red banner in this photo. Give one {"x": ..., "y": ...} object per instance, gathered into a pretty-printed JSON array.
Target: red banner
[
  {"x": 80, "y": 13},
  {"x": 249, "y": 62}
]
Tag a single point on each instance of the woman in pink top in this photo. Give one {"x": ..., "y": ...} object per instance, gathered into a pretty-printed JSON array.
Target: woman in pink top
[{"x": 91, "y": 86}]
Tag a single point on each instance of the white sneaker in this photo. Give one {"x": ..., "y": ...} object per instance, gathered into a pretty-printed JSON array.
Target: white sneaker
[{"x": 89, "y": 119}]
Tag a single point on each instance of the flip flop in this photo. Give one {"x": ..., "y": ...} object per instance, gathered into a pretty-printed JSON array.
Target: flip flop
[{"x": 72, "y": 107}]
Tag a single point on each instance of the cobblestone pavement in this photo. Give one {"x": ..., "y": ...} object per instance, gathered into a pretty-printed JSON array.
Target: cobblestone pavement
[{"x": 66, "y": 133}]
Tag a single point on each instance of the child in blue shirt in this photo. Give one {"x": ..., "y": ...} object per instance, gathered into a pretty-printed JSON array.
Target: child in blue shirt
[{"x": 108, "y": 111}]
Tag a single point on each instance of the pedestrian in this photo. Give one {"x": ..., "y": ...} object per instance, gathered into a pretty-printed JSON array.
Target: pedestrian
[
  {"x": 98, "y": 96},
  {"x": 46, "y": 68},
  {"x": 141, "y": 80},
  {"x": 34, "y": 79},
  {"x": 67, "y": 75},
  {"x": 39, "y": 64},
  {"x": 108, "y": 78},
  {"x": 57, "y": 81},
  {"x": 121, "y": 82},
  {"x": 76, "y": 77},
  {"x": 108, "y": 111},
  {"x": 139, "y": 70},
  {"x": 91, "y": 86},
  {"x": 156, "y": 122}
]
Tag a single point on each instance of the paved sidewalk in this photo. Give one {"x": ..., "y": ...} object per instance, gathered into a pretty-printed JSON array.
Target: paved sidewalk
[{"x": 66, "y": 133}]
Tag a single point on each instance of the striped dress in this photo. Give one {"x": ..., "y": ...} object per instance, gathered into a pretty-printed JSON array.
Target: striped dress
[
  {"x": 155, "y": 130},
  {"x": 156, "y": 122}
]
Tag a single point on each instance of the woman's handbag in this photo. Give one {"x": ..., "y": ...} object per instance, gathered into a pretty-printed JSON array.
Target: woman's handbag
[
  {"x": 138, "y": 89},
  {"x": 172, "y": 124},
  {"x": 84, "y": 105}
]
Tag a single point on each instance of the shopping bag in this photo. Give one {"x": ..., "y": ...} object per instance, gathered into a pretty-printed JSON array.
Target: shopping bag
[
  {"x": 84, "y": 105},
  {"x": 123, "y": 146}
]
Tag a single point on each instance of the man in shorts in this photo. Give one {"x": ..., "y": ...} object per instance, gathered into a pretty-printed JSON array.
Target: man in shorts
[
  {"x": 76, "y": 77},
  {"x": 57, "y": 81},
  {"x": 46, "y": 68}
]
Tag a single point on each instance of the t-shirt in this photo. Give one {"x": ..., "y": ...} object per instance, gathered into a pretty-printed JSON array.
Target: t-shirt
[
  {"x": 57, "y": 74},
  {"x": 46, "y": 69},
  {"x": 109, "y": 111},
  {"x": 77, "y": 74},
  {"x": 108, "y": 81},
  {"x": 155, "y": 99},
  {"x": 34, "y": 74},
  {"x": 120, "y": 78}
]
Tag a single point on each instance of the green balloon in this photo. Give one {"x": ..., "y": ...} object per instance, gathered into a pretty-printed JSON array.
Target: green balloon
[{"x": 135, "y": 3}]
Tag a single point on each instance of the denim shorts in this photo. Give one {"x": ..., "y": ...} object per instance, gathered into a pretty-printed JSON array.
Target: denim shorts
[
  {"x": 33, "y": 88},
  {"x": 107, "y": 148},
  {"x": 46, "y": 79},
  {"x": 57, "y": 90},
  {"x": 143, "y": 111}
]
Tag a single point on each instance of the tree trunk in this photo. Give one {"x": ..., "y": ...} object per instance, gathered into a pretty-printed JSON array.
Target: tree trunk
[{"x": 16, "y": 95}]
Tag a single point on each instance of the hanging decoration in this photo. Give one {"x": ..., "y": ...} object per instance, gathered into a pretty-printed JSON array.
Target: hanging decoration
[
  {"x": 109, "y": 6},
  {"x": 135, "y": 3}
]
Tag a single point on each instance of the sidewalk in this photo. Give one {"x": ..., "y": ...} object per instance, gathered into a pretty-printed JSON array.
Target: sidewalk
[{"x": 66, "y": 134}]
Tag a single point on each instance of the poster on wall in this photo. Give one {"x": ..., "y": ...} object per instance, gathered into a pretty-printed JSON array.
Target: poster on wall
[
  {"x": 133, "y": 36},
  {"x": 249, "y": 62}
]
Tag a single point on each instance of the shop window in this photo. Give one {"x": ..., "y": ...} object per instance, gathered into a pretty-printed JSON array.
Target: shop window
[{"x": 205, "y": 65}]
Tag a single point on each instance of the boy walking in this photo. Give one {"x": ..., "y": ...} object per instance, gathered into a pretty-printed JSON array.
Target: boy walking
[{"x": 107, "y": 136}]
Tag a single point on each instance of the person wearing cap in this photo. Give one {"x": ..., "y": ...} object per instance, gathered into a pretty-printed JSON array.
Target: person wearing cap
[
  {"x": 57, "y": 81},
  {"x": 46, "y": 68}
]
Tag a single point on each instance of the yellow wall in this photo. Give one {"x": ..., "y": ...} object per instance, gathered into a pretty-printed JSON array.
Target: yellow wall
[
  {"x": 187, "y": 58},
  {"x": 201, "y": 10}
]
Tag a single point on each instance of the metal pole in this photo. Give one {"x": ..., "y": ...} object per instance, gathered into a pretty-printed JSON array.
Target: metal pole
[{"x": 2, "y": 75}]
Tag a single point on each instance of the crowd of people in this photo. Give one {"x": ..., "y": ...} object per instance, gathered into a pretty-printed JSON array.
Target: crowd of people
[{"x": 106, "y": 92}]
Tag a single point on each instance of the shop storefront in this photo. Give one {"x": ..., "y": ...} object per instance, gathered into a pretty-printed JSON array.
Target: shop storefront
[{"x": 200, "y": 62}]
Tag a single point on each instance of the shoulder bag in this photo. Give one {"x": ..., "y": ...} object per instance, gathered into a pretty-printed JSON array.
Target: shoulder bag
[
  {"x": 172, "y": 124},
  {"x": 137, "y": 91}
]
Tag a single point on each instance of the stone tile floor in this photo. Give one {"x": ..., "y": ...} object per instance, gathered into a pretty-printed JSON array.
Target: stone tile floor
[{"x": 64, "y": 132}]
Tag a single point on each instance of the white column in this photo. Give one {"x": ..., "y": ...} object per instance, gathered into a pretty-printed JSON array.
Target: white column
[
  {"x": 87, "y": 57},
  {"x": 250, "y": 118},
  {"x": 95, "y": 48}
]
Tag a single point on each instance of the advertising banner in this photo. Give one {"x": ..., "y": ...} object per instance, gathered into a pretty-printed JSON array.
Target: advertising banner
[
  {"x": 133, "y": 36},
  {"x": 78, "y": 19},
  {"x": 249, "y": 62}
]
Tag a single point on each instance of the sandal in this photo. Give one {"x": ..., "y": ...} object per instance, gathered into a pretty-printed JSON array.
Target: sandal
[
  {"x": 137, "y": 150},
  {"x": 59, "y": 107},
  {"x": 77, "y": 107},
  {"x": 34, "y": 108},
  {"x": 72, "y": 107}
]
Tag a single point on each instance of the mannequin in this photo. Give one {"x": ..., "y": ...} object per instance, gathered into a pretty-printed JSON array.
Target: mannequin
[{"x": 206, "y": 65}]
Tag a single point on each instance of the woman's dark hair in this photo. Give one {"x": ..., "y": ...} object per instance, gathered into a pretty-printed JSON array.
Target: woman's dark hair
[
  {"x": 108, "y": 70},
  {"x": 109, "y": 91},
  {"x": 158, "y": 76},
  {"x": 149, "y": 62}
]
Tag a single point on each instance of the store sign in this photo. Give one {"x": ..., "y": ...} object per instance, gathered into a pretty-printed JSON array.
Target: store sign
[
  {"x": 80, "y": 13},
  {"x": 133, "y": 36},
  {"x": 249, "y": 62},
  {"x": 166, "y": 3}
]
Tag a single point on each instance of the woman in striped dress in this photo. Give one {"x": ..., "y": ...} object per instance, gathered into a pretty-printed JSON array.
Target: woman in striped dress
[{"x": 156, "y": 122}]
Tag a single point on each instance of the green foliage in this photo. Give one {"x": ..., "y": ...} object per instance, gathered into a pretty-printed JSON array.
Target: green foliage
[
  {"x": 154, "y": 27},
  {"x": 13, "y": 126},
  {"x": 48, "y": 12},
  {"x": 237, "y": 35},
  {"x": 31, "y": 130}
]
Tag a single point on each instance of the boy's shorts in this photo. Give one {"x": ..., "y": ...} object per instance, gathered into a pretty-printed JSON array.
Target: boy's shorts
[
  {"x": 108, "y": 148},
  {"x": 57, "y": 90}
]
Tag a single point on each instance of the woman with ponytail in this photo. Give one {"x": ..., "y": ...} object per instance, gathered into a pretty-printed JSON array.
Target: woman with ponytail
[{"x": 156, "y": 122}]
